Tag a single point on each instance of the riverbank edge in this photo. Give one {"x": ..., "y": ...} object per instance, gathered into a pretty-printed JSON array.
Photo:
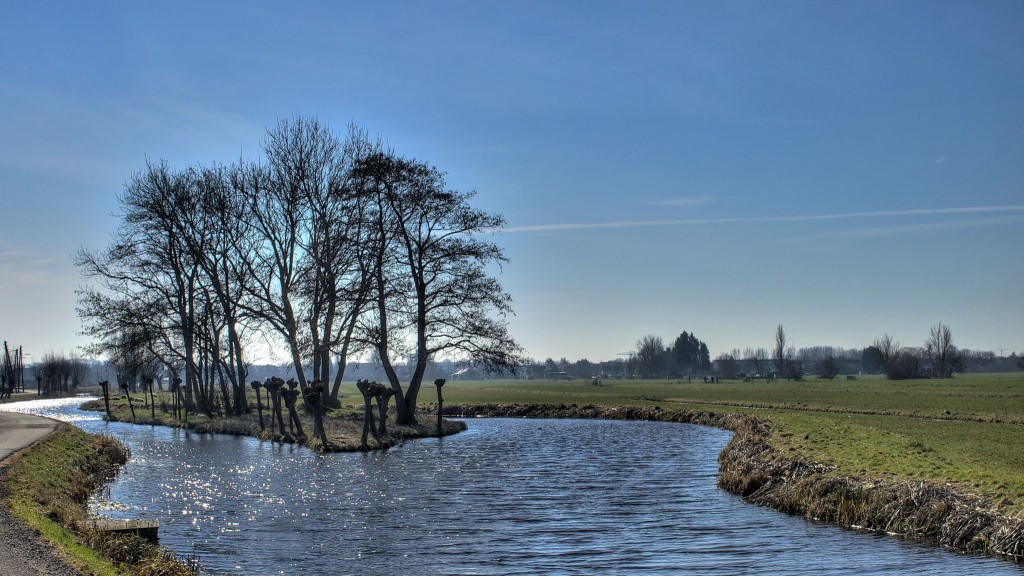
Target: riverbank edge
[
  {"x": 752, "y": 468},
  {"x": 235, "y": 426},
  {"x": 47, "y": 485}
]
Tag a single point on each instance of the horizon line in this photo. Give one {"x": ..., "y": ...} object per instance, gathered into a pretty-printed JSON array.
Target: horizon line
[{"x": 567, "y": 226}]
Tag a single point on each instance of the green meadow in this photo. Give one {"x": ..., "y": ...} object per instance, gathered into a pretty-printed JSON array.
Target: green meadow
[{"x": 968, "y": 430}]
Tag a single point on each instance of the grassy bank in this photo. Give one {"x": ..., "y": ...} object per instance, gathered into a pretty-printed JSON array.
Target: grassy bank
[{"x": 48, "y": 486}]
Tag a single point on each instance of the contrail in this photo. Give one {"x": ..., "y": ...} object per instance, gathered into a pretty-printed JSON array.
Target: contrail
[{"x": 765, "y": 219}]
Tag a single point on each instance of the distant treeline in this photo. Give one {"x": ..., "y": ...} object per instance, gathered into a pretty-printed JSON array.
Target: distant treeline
[{"x": 689, "y": 356}]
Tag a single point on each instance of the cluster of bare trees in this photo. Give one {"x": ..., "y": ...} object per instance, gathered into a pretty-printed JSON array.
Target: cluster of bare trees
[
  {"x": 59, "y": 373},
  {"x": 780, "y": 362},
  {"x": 938, "y": 358},
  {"x": 330, "y": 247}
]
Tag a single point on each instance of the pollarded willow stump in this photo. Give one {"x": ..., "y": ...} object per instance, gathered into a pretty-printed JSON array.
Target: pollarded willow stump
[
  {"x": 440, "y": 405},
  {"x": 256, "y": 385},
  {"x": 273, "y": 387},
  {"x": 370, "y": 390},
  {"x": 383, "y": 397},
  {"x": 313, "y": 399},
  {"x": 290, "y": 396},
  {"x": 105, "y": 385},
  {"x": 131, "y": 406}
]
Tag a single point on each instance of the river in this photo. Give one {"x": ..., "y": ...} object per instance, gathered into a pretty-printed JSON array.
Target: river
[{"x": 507, "y": 496}]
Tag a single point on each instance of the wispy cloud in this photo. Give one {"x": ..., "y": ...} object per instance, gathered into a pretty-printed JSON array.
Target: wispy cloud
[
  {"x": 880, "y": 214},
  {"x": 813, "y": 242},
  {"x": 20, "y": 268},
  {"x": 682, "y": 202}
]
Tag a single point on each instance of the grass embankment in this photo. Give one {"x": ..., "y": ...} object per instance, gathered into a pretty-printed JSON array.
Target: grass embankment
[
  {"x": 939, "y": 459},
  {"x": 343, "y": 425},
  {"x": 48, "y": 486}
]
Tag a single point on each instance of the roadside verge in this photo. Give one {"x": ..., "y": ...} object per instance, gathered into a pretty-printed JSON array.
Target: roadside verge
[{"x": 44, "y": 490}]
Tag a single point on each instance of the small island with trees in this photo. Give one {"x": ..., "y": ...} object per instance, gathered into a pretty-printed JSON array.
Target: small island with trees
[{"x": 329, "y": 247}]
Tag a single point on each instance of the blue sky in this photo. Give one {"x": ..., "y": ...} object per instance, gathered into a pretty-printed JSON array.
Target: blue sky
[{"x": 846, "y": 169}]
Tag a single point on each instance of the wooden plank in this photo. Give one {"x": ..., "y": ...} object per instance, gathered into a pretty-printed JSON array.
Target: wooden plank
[{"x": 147, "y": 529}]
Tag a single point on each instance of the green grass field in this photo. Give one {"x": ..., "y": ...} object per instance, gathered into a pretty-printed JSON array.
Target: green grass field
[{"x": 968, "y": 430}]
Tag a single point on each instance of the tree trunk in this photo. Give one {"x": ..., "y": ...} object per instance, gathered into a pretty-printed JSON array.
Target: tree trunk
[
  {"x": 105, "y": 385},
  {"x": 259, "y": 404},
  {"x": 367, "y": 389},
  {"x": 382, "y": 406}
]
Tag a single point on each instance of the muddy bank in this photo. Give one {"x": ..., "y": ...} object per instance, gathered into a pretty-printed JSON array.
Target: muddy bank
[{"x": 750, "y": 467}]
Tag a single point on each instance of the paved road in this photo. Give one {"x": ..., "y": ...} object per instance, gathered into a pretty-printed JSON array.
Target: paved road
[
  {"x": 22, "y": 551},
  {"x": 20, "y": 430}
]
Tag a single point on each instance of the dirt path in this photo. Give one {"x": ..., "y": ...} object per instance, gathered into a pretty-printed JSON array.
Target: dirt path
[{"x": 22, "y": 550}]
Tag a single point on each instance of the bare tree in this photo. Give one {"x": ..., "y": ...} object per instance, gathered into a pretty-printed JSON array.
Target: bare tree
[
  {"x": 129, "y": 355},
  {"x": 432, "y": 294},
  {"x": 899, "y": 363},
  {"x": 308, "y": 268},
  {"x": 222, "y": 242},
  {"x": 299, "y": 158},
  {"x": 335, "y": 279},
  {"x": 758, "y": 358},
  {"x": 60, "y": 373},
  {"x": 888, "y": 351},
  {"x": 780, "y": 350},
  {"x": 336, "y": 247},
  {"x": 649, "y": 351},
  {"x": 175, "y": 275},
  {"x": 941, "y": 355},
  {"x": 148, "y": 262},
  {"x": 827, "y": 367}
]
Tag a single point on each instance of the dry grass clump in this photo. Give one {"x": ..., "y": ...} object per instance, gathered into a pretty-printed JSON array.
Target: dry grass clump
[{"x": 139, "y": 556}]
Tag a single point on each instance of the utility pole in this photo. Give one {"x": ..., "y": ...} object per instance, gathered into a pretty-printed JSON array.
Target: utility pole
[
  {"x": 8, "y": 367},
  {"x": 21, "y": 368}
]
